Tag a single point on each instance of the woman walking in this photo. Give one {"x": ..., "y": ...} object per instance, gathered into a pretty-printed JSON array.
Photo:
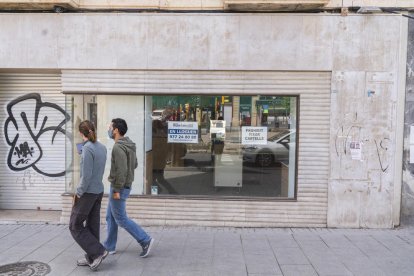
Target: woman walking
[{"x": 85, "y": 218}]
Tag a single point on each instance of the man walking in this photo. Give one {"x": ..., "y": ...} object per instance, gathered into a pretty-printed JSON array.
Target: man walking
[{"x": 123, "y": 164}]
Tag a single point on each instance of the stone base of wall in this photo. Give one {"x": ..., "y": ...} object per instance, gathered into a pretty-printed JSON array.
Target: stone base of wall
[{"x": 150, "y": 211}]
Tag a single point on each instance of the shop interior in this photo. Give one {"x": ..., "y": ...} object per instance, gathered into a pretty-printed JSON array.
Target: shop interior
[
  {"x": 221, "y": 160},
  {"x": 195, "y": 146}
]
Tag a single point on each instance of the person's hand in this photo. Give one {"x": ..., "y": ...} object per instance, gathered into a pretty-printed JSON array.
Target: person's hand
[
  {"x": 75, "y": 199},
  {"x": 116, "y": 196}
]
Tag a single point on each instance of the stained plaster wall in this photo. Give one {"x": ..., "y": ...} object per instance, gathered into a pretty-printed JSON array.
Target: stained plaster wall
[
  {"x": 362, "y": 190},
  {"x": 197, "y": 4},
  {"x": 407, "y": 209},
  {"x": 363, "y": 52},
  {"x": 366, "y": 108}
]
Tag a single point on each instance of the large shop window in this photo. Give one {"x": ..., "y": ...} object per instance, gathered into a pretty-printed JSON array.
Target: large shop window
[
  {"x": 230, "y": 146},
  {"x": 195, "y": 146}
]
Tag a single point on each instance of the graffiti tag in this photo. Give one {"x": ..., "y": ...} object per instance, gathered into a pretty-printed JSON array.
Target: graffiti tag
[
  {"x": 344, "y": 136},
  {"x": 35, "y": 132},
  {"x": 23, "y": 153}
]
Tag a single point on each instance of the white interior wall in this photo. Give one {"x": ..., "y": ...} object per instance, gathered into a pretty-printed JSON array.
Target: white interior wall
[{"x": 131, "y": 109}]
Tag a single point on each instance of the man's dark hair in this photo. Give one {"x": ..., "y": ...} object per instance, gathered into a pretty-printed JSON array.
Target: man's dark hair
[{"x": 121, "y": 125}]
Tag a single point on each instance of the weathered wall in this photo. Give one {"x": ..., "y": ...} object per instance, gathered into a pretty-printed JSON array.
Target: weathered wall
[
  {"x": 200, "y": 41},
  {"x": 362, "y": 189},
  {"x": 407, "y": 212},
  {"x": 371, "y": 3},
  {"x": 362, "y": 51},
  {"x": 200, "y": 4}
]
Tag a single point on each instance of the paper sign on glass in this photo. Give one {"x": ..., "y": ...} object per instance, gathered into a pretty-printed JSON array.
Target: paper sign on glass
[
  {"x": 411, "y": 153},
  {"x": 254, "y": 135},
  {"x": 182, "y": 132},
  {"x": 412, "y": 135}
]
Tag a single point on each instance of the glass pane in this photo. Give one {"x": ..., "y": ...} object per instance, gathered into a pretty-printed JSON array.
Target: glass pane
[
  {"x": 101, "y": 109},
  {"x": 222, "y": 145}
]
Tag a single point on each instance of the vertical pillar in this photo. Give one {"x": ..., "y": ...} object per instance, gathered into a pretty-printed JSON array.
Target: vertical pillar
[
  {"x": 236, "y": 112},
  {"x": 407, "y": 189}
]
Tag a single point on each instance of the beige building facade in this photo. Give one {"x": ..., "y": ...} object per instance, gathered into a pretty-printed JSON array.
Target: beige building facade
[
  {"x": 252, "y": 5},
  {"x": 344, "y": 77}
]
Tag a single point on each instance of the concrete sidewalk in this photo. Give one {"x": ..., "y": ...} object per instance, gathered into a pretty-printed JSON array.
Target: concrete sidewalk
[
  {"x": 220, "y": 251},
  {"x": 29, "y": 216}
]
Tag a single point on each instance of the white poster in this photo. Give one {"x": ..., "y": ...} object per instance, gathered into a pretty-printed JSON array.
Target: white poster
[
  {"x": 182, "y": 132},
  {"x": 254, "y": 135},
  {"x": 411, "y": 135},
  {"x": 218, "y": 129},
  {"x": 411, "y": 153},
  {"x": 411, "y": 144},
  {"x": 356, "y": 151}
]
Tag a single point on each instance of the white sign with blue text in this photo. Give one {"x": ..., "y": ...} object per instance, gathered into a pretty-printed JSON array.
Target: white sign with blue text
[{"x": 182, "y": 132}]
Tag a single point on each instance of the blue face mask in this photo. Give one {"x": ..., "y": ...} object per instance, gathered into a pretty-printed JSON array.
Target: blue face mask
[{"x": 110, "y": 133}]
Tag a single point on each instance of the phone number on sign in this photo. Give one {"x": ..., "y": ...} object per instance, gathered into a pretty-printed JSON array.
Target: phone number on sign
[{"x": 186, "y": 137}]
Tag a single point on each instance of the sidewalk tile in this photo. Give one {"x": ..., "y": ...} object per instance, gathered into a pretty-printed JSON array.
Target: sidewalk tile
[
  {"x": 295, "y": 270},
  {"x": 222, "y": 251},
  {"x": 261, "y": 264},
  {"x": 290, "y": 256},
  {"x": 282, "y": 240}
]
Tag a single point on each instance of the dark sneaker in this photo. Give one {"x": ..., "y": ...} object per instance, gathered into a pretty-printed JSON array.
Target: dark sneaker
[
  {"x": 146, "y": 248},
  {"x": 94, "y": 265},
  {"x": 83, "y": 262}
]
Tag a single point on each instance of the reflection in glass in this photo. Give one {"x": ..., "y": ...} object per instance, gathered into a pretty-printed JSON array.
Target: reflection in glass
[
  {"x": 239, "y": 146},
  {"x": 192, "y": 145}
]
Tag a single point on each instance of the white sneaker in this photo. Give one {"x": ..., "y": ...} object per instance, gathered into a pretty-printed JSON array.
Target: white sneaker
[
  {"x": 94, "y": 265},
  {"x": 83, "y": 262},
  {"x": 112, "y": 252}
]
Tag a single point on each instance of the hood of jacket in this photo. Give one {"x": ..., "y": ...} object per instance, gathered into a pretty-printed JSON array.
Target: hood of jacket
[{"x": 126, "y": 144}]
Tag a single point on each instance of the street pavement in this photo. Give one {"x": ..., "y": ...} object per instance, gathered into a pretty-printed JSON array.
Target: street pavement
[{"x": 197, "y": 251}]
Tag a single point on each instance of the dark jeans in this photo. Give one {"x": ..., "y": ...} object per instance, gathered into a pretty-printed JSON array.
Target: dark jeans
[{"x": 85, "y": 222}]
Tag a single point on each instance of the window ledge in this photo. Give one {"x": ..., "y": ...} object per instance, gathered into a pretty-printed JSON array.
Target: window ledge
[{"x": 200, "y": 197}]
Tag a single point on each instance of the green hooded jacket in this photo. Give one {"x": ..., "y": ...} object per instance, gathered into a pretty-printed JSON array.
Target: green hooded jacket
[{"x": 123, "y": 163}]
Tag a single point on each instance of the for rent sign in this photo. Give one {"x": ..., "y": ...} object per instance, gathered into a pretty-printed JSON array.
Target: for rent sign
[
  {"x": 182, "y": 132},
  {"x": 254, "y": 135}
]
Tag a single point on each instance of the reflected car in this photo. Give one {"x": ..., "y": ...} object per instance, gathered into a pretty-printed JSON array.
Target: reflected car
[
  {"x": 157, "y": 114},
  {"x": 276, "y": 149}
]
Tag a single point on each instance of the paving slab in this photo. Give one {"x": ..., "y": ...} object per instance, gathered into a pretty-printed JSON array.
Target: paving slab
[
  {"x": 262, "y": 264},
  {"x": 220, "y": 251},
  {"x": 290, "y": 256},
  {"x": 295, "y": 270}
]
